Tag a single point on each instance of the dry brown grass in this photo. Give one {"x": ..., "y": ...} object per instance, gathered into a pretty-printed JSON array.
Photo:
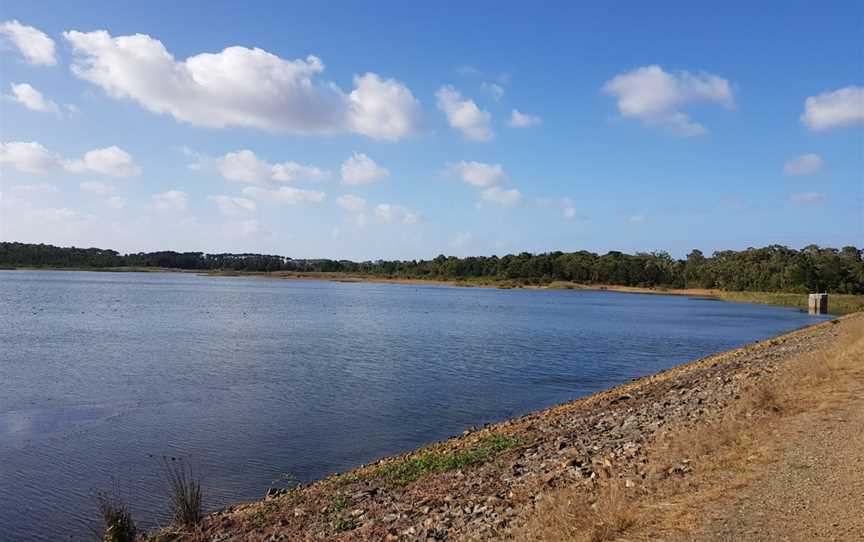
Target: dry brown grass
[
  {"x": 694, "y": 466},
  {"x": 583, "y": 515}
]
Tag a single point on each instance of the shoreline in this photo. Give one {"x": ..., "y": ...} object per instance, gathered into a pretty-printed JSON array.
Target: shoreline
[
  {"x": 839, "y": 304},
  {"x": 485, "y": 483}
]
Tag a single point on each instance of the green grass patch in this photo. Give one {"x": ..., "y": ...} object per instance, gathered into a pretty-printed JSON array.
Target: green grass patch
[
  {"x": 407, "y": 470},
  {"x": 837, "y": 303}
]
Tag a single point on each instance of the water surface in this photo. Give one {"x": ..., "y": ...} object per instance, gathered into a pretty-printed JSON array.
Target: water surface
[{"x": 257, "y": 380}]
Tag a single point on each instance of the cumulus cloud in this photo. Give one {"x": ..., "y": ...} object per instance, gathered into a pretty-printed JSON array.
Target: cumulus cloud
[
  {"x": 807, "y": 197},
  {"x": 32, "y": 157},
  {"x": 28, "y": 157},
  {"x": 383, "y": 109},
  {"x": 96, "y": 187},
  {"x": 242, "y": 87},
  {"x": 35, "y": 45},
  {"x": 116, "y": 202},
  {"x": 656, "y": 97},
  {"x": 171, "y": 200},
  {"x": 501, "y": 196},
  {"x": 232, "y": 206},
  {"x": 523, "y": 120},
  {"x": 360, "y": 169},
  {"x": 352, "y": 204},
  {"x": 245, "y": 166},
  {"x": 478, "y": 173},
  {"x": 806, "y": 164},
  {"x": 464, "y": 115},
  {"x": 395, "y": 214},
  {"x": 285, "y": 195},
  {"x": 29, "y": 97},
  {"x": 834, "y": 109},
  {"x": 111, "y": 161}
]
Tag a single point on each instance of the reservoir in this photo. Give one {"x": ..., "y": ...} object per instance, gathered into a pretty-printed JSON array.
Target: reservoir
[{"x": 259, "y": 382}]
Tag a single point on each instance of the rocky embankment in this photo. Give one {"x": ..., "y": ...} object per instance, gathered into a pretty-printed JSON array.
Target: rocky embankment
[{"x": 485, "y": 483}]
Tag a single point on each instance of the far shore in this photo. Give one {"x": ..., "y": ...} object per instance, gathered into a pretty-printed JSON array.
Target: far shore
[{"x": 838, "y": 303}]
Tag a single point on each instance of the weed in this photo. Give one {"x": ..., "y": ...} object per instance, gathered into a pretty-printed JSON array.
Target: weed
[
  {"x": 117, "y": 522},
  {"x": 184, "y": 492}
]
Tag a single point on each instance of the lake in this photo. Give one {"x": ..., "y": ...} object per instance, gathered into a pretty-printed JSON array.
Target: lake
[{"x": 259, "y": 381}]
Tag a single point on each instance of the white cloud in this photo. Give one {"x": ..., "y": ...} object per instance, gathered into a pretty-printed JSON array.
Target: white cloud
[
  {"x": 360, "y": 169},
  {"x": 41, "y": 188},
  {"x": 28, "y": 157},
  {"x": 34, "y": 44},
  {"x": 111, "y": 161},
  {"x": 501, "y": 196},
  {"x": 464, "y": 115},
  {"x": 242, "y": 87},
  {"x": 285, "y": 195},
  {"x": 61, "y": 214},
  {"x": 497, "y": 91},
  {"x": 172, "y": 200},
  {"x": 565, "y": 204},
  {"x": 395, "y": 214},
  {"x": 636, "y": 219},
  {"x": 232, "y": 206},
  {"x": 104, "y": 189},
  {"x": 834, "y": 109},
  {"x": 807, "y": 164},
  {"x": 808, "y": 197},
  {"x": 468, "y": 71},
  {"x": 245, "y": 166},
  {"x": 523, "y": 120},
  {"x": 29, "y": 97},
  {"x": 352, "y": 204},
  {"x": 478, "y": 174},
  {"x": 97, "y": 187},
  {"x": 292, "y": 171},
  {"x": 655, "y": 96},
  {"x": 383, "y": 109},
  {"x": 32, "y": 157}
]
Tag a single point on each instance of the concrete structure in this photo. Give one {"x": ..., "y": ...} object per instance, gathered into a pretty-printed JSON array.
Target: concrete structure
[{"x": 818, "y": 304}]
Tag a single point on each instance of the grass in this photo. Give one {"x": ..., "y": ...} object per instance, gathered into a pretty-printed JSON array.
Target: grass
[
  {"x": 407, "y": 470},
  {"x": 576, "y": 515},
  {"x": 184, "y": 492},
  {"x": 117, "y": 522},
  {"x": 719, "y": 455},
  {"x": 837, "y": 303}
]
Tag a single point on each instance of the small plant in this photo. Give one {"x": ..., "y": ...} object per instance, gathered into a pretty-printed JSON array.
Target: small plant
[
  {"x": 184, "y": 492},
  {"x": 339, "y": 523},
  {"x": 117, "y": 522}
]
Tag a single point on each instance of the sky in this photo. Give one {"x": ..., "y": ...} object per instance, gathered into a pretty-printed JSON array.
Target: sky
[{"x": 407, "y": 129}]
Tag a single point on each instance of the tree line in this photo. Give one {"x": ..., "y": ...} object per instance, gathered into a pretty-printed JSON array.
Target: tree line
[{"x": 774, "y": 268}]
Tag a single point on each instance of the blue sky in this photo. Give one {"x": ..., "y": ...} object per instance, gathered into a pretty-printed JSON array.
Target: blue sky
[{"x": 639, "y": 127}]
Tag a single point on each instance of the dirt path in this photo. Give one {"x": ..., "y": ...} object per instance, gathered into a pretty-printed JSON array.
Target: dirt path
[{"x": 814, "y": 489}]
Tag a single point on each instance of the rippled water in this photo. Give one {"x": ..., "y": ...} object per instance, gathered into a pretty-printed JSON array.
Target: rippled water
[{"x": 255, "y": 379}]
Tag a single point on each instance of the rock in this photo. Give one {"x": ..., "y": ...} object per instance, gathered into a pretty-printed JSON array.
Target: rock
[{"x": 390, "y": 518}]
